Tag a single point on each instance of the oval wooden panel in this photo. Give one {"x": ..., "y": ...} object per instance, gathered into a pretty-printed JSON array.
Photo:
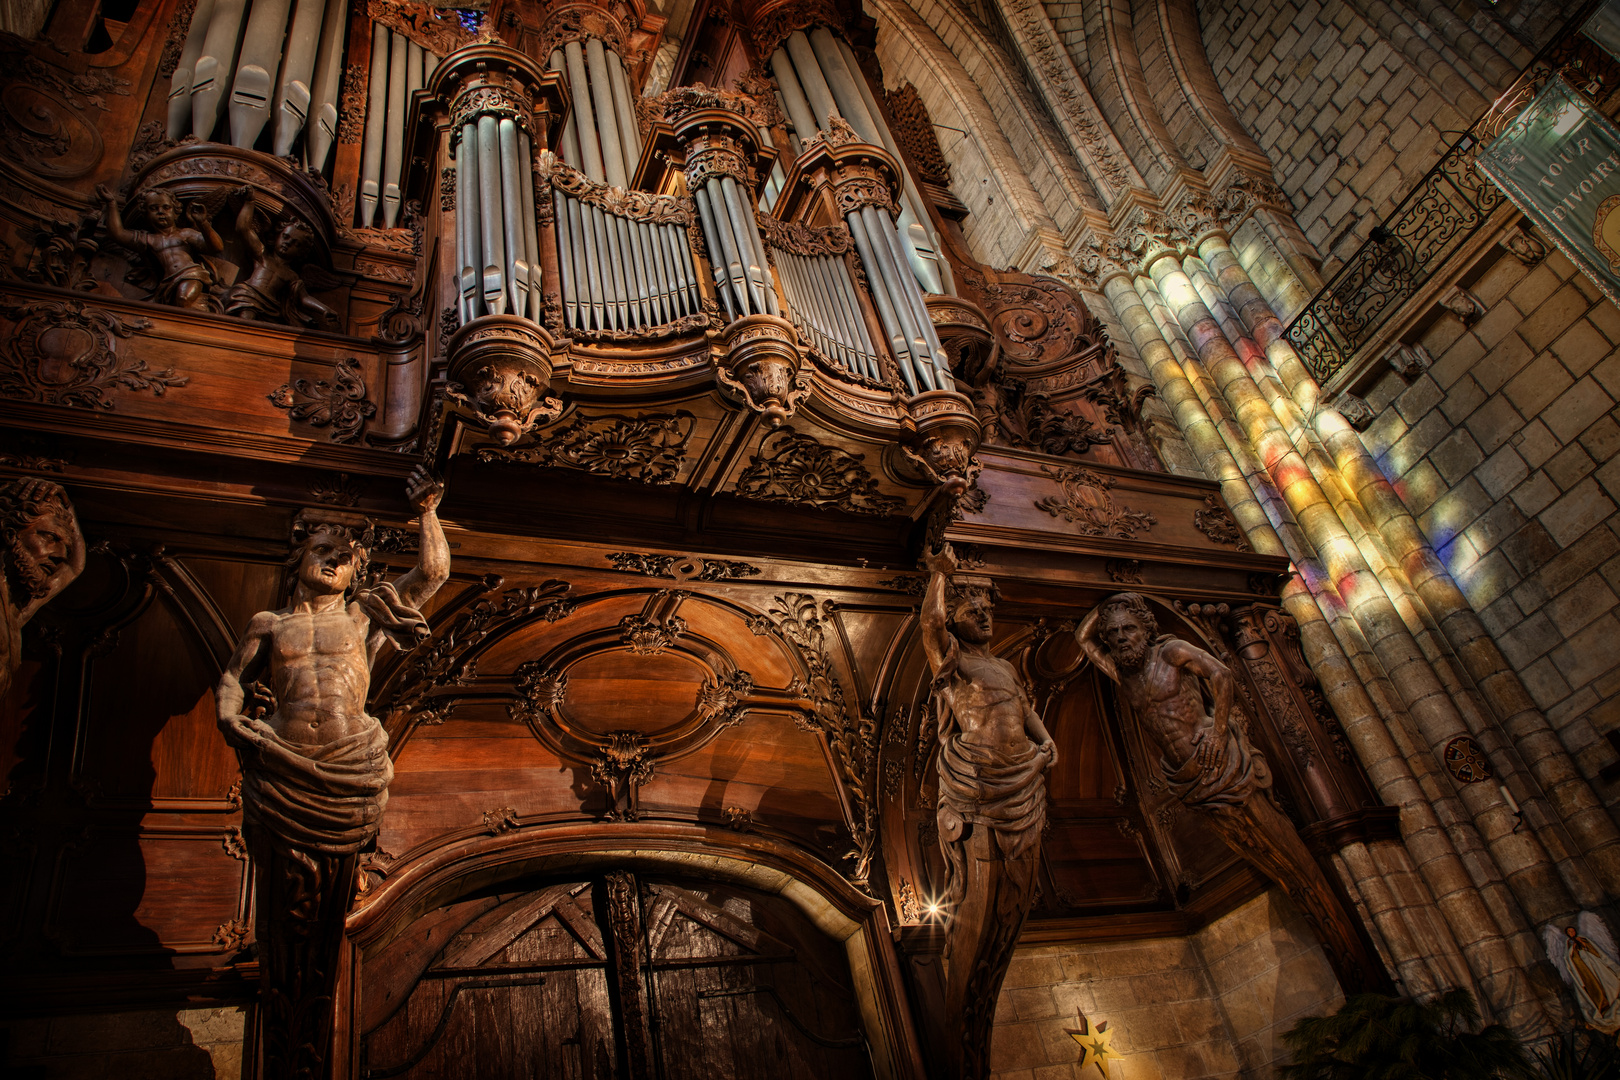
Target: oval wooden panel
[{"x": 621, "y": 691}]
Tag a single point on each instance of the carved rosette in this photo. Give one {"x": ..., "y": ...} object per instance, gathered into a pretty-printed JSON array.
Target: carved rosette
[
  {"x": 490, "y": 80},
  {"x": 761, "y": 365},
  {"x": 503, "y": 365},
  {"x": 948, "y": 433},
  {"x": 964, "y": 330}
]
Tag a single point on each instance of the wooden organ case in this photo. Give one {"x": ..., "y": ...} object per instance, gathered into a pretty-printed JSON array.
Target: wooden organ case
[{"x": 705, "y": 370}]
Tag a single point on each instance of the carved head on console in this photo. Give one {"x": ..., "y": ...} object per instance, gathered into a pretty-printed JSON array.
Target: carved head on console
[
  {"x": 328, "y": 555},
  {"x": 970, "y": 600},
  {"x": 1127, "y": 629},
  {"x": 40, "y": 542}
]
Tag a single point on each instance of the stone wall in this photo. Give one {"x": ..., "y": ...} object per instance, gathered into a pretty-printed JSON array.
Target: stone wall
[
  {"x": 163, "y": 1044},
  {"x": 1212, "y": 1004},
  {"x": 1507, "y": 451},
  {"x": 1350, "y": 124}
]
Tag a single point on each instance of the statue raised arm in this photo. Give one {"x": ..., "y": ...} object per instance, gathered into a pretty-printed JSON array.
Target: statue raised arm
[{"x": 315, "y": 773}]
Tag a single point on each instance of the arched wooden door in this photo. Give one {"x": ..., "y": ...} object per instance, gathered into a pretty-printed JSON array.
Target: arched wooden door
[{"x": 614, "y": 978}]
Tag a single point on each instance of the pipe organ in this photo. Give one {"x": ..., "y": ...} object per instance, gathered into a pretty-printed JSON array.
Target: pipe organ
[{"x": 399, "y": 68}]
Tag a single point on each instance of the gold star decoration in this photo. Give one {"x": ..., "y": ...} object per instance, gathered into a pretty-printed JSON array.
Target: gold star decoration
[{"x": 1094, "y": 1045}]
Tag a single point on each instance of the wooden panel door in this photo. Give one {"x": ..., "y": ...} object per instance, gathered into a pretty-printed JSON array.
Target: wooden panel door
[{"x": 616, "y": 978}]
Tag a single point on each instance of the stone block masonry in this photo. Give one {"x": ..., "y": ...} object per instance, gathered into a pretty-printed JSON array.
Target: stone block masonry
[
  {"x": 1507, "y": 451},
  {"x": 1212, "y": 1004}
]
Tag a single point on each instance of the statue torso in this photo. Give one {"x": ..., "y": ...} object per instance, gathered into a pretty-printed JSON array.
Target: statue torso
[{"x": 320, "y": 673}]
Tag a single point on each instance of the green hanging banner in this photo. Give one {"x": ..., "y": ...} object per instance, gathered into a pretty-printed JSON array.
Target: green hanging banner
[{"x": 1559, "y": 161}]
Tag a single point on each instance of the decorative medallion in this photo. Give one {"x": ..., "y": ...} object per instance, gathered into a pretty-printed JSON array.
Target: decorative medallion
[
  {"x": 794, "y": 468},
  {"x": 67, "y": 353},
  {"x": 340, "y": 404},
  {"x": 1466, "y": 762},
  {"x": 646, "y": 636},
  {"x": 1087, "y": 503}
]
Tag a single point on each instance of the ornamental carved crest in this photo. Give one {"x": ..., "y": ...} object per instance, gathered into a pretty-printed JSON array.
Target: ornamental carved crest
[
  {"x": 1087, "y": 503},
  {"x": 68, "y": 353},
  {"x": 795, "y": 468},
  {"x": 650, "y": 449},
  {"x": 1216, "y": 523}
]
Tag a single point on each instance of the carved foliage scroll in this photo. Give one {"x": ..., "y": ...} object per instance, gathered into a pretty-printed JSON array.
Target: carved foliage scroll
[
  {"x": 913, "y": 129},
  {"x": 1087, "y": 503},
  {"x": 650, "y": 448},
  {"x": 339, "y": 403},
  {"x": 795, "y": 468},
  {"x": 68, "y": 353}
]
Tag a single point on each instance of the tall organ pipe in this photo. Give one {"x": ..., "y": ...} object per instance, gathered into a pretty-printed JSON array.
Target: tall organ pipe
[
  {"x": 606, "y": 120},
  {"x": 793, "y": 99},
  {"x": 531, "y": 236},
  {"x": 468, "y": 223},
  {"x": 517, "y": 263},
  {"x": 321, "y": 132},
  {"x": 624, "y": 102},
  {"x": 260, "y": 58},
  {"x": 371, "y": 153},
  {"x": 179, "y": 120},
  {"x": 394, "y": 137},
  {"x": 491, "y": 214},
  {"x": 215, "y": 66},
  {"x": 293, "y": 88}
]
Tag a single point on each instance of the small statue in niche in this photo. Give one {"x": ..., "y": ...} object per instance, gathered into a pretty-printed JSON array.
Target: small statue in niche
[
  {"x": 43, "y": 552},
  {"x": 994, "y": 753},
  {"x": 275, "y": 290},
  {"x": 185, "y": 278},
  {"x": 315, "y": 774},
  {"x": 1209, "y": 765}
]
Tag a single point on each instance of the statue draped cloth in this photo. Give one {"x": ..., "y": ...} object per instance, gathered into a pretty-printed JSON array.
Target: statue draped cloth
[
  {"x": 307, "y": 813},
  {"x": 1005, "y": 795},
  {"x": 1242, "y": 774}
]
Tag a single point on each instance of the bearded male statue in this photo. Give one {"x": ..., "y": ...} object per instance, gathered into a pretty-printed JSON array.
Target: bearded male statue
[
  {"x": 1209, "y": 765},
  {"x": 993, "y": 756},
  {"x": 43, "y": 552},
  {"x": 315, "y": 773}
]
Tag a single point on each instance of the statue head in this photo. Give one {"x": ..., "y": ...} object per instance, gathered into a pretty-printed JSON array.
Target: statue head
[
  {"x": 295, "y": 241},
  {"x": 969, "y": 601},
  {"x": 39, "y": 539},
  {"x": 162, "y": 209},
  {"x": 329, "y": 554},
  {"x": 1126, "y": 628}
]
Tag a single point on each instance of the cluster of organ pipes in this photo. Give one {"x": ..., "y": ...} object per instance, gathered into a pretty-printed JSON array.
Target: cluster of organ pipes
[
  {"x": 601, "y": 138},
  {"x": 818, "y": 77},
  {"x": 823, "y": 305},
  {"x": 619, "y": 272},
  {"x": 497, "y": 245},
  {"x": 736, "y": 254},
  {"x": 399, "y": 68},
  {"x": 230, "y": 47}
]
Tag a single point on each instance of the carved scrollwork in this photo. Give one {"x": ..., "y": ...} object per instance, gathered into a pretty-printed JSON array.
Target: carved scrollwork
[
  {"x": 1037, "y": 319},
  {"x": 723, "y": 702},
  {"x": 790, "y": 236},
  {"x": 651, "y": 448},
  {"x": 674, "y": 106},
  {"x": 636, "y": 205},
  {"x": 1216, "y": 523},
  {"x": 575, "y": 22},
  {"x": 352, "y": 105},
  {"x": 913, "y": 129},
  {"x": 679, "y": 567},
  {"x": 45, "y": 115},
  {"x": 645, "y": 635},
  {"x": 857, "y": 191},
  {"x": 65, "y": 352},
  {"x": 623, "y": 764},
  {"x": 1087, "y": 503},
  {"x": 797, "y": 469},
  {"x": 509, "y": 102},
  {"x": 436, "y": 29},
  {"x": 771, "y": 26},
  {"x": 339, "y": 403}
]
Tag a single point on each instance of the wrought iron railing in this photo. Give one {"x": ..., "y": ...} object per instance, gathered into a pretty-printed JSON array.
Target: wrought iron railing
[{"x": 1436, "y": 219}]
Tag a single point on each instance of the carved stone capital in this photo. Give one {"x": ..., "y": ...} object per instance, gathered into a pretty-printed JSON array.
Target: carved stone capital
[
  {"x": 761, "y": 366},
  {"x": 1197, "y": 217},
  {"x": 1101, "y": 259},
  {"x": 1243, "y": 194},
  {"x": 503, "y": 366}
]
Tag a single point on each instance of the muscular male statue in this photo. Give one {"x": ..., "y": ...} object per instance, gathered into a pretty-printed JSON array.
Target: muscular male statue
[
  {"x": 1207, "y": 760},
  {"x": 994, "y": 752},
  {"x": 42, "y": 553},
  {"x": 315, "y": 773}
]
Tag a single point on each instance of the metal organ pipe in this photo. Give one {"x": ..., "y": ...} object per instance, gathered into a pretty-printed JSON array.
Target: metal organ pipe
[
  {"x": 624, "y": 102},
  {"x": 291, "y": 107},
  {"x": 179, "y": 119},
  {"x": 321, "y": 131},
  {"x": 393, "y": 128},
  {"x": 517, "y": 264},
  {"x": 468, "y": 226},
  {"x": 215, "y": 65},
  {"x": 491, "y": 214},
  {"x": 792, "y": 94},
  {"x": 371, "y": 153}
]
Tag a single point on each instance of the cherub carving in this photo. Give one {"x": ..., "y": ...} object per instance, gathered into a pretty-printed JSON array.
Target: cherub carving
[
  {"x": 184, "y": 277},
  {"x": 276, "y": 290}
]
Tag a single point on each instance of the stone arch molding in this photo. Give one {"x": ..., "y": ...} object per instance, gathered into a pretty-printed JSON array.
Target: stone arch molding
[{"x": 457, "y": 865}]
